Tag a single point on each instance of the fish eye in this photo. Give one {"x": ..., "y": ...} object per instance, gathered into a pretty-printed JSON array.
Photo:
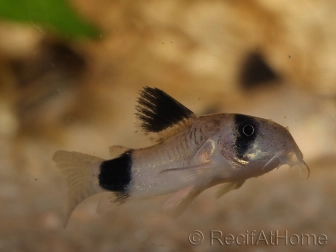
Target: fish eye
[{"x": 247, "y": 130}]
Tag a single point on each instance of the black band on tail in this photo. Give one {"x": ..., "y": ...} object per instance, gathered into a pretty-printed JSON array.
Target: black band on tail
[{"x": 116, "y": 174}]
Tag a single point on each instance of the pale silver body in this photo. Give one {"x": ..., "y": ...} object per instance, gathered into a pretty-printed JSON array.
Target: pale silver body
[
  {"x": 207, "y": 144},
  {"x": 195, "y": 145},
  {"x": 191, "y": 154}
]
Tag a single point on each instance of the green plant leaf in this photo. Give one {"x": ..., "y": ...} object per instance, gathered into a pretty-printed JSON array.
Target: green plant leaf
[{"x": 55, "y": 14}]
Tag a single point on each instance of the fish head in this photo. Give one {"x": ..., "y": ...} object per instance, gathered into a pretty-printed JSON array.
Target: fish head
[{"x": 256, "y": 146}]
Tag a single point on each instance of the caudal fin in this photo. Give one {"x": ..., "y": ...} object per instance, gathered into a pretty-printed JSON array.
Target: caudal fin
[{"x": 81, "y": 173}]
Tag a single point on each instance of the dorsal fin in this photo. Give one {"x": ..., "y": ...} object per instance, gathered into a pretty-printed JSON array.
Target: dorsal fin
[{"x": 158, "y": 111}]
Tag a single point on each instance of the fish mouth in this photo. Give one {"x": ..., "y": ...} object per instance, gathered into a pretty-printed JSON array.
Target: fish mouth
[{"x": 291, "y": 159}]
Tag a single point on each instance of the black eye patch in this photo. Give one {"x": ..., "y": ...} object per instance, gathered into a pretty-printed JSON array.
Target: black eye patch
[{"x": 247, "y": 129}]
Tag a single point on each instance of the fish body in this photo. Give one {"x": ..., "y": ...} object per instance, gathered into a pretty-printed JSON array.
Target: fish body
[{"x": 191, "y": 154}]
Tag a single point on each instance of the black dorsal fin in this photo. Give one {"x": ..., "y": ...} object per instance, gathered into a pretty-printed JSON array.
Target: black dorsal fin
[{"x": 158, "y": 111}]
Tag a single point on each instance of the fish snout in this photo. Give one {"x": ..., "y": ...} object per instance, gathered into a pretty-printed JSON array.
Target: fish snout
[{"x": 291, "y": 158}]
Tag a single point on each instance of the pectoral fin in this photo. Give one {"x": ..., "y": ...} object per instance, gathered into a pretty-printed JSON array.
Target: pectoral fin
[
  {"x": 197, "y": 172},
  {"x": 176, "y": 203},
  {"x": 227, "y": 187},
  {"x": 201, "y": 168}
]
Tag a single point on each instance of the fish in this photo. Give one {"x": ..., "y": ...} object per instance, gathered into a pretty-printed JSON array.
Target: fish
[{"x": 190, "y": 154}]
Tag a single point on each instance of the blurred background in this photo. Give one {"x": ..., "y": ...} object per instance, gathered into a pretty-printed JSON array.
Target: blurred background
[{"x": 70, "y": 73}]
